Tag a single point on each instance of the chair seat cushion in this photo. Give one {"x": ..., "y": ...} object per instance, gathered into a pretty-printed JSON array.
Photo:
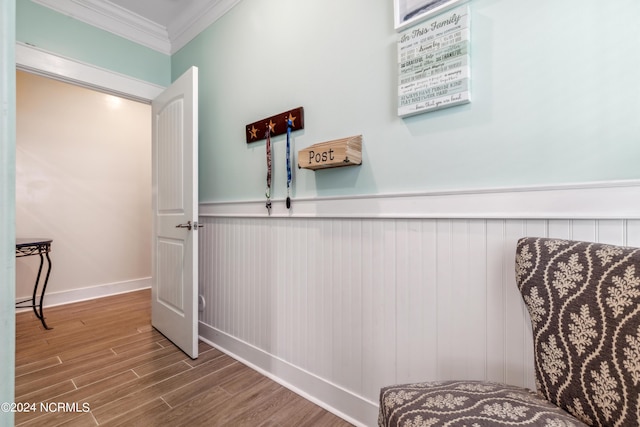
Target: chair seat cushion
[{"x": 467, "y": 403}]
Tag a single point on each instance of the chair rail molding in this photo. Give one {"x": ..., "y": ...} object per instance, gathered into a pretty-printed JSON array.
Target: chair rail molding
[{"x": 594, "y": 200}]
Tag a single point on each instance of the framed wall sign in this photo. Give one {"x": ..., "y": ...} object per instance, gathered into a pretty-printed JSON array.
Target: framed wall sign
[
  {"x": 411, "y": 12},
  {"x": 433, "y": 63}
]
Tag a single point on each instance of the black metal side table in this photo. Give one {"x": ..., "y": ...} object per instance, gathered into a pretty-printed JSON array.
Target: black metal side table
[{"x": 40, "y": 247}]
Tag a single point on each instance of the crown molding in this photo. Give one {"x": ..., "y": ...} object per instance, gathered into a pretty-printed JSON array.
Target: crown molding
[
  {"x": 195, "y": 19},
  {"x": 117, "y": 20},
  {"x": 114, "y": 19}
]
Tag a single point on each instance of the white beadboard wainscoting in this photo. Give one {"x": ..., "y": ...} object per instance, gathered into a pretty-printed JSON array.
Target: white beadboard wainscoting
[{"x": 341, "y": 296}]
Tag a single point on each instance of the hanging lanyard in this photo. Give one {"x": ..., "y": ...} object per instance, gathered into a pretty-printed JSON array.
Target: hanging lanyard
[
  {"x": 289, "y": 124},
  {"x": 268, "y": 192}
]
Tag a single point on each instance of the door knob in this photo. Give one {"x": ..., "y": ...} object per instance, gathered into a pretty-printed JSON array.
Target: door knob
[{"x": 187, "y": 225}]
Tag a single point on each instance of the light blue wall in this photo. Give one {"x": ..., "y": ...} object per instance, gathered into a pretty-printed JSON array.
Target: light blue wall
[
  {"x": 65, "y": 36},
  {"x": 7, "y": 206},
  {"x": 555, "y": 97}
]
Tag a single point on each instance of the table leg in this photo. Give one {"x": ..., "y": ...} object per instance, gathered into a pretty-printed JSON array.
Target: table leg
[
  {"x": 44, "y": 288},
  {"x": 37, "y": 308},
  {"x": 28, "y": 247},
  {"x": 35, "y": 287}
]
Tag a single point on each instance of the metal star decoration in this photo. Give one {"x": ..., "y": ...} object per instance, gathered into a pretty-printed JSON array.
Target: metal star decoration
[
  {"x": 253, "y": 131},
  {"x": 278, "y": 124},
  {"x": 293, "y": 120}
]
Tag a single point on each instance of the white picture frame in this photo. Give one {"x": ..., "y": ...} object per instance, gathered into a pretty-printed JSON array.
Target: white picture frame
[
  {"x": 411, "y": 12},
  {"x": 434, "y": 63}
]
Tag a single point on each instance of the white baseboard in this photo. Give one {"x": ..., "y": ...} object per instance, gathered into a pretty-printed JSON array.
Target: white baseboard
[
  {"x": 331, "y": 397},
  {"x": 76, "y": 295}
]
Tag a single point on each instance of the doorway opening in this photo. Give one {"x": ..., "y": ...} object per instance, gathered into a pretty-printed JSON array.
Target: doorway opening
[{"x": 83, "y": 179}]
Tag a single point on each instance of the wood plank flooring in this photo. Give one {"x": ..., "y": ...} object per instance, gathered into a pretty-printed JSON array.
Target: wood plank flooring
[{"x": 103, "y": 364}]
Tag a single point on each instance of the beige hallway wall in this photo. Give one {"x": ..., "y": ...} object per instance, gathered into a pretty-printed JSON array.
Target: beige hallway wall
[{"x": 83, "y": 178}]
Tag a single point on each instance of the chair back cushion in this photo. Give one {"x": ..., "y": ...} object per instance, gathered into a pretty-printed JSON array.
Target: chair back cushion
[{"x": 584, "y": 304}]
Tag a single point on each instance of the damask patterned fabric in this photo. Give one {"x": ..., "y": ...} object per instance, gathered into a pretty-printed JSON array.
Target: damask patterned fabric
[
  {"x": 467, "y": 403},
  {"x": 584, "y": 304}
]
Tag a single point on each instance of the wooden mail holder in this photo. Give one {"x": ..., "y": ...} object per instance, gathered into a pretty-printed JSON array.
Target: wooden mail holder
[{"x": 332, "y": 154}]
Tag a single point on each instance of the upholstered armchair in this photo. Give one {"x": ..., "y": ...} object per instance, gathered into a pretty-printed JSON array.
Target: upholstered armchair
[{"x": 584, "y": 304}]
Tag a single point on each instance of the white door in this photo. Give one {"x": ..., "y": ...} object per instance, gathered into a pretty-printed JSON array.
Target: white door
[{"x": 174, "y": 286}]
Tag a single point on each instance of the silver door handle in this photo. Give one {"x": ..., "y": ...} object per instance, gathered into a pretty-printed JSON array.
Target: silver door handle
[{"x": 187, "y": 225}]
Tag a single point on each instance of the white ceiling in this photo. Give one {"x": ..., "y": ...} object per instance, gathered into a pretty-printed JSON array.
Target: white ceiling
[{"x": 162, "y": 25}]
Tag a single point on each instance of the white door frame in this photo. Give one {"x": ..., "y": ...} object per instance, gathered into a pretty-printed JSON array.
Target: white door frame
[
  {"x": 47, "y": 64},
  {"x": 39, "y": 61}
]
